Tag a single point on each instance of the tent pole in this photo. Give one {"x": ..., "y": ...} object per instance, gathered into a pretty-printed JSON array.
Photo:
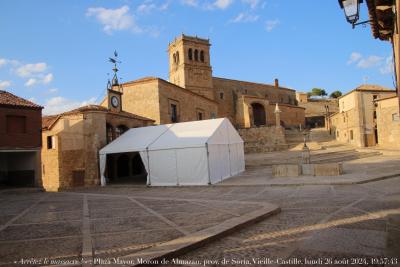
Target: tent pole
[
  {"x": 148, "y": 163},
  {"x": 208, "y": 164}
]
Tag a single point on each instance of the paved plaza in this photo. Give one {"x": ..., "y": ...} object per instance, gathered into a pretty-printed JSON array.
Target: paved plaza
[{"x": 316, "y": 222}]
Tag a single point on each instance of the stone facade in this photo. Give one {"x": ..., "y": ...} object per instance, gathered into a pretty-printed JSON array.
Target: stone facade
[
  {"x": 355, "y": 123},
  {"x": 263, "y": 139},
  {"x": 153, "y": 97},
  {"x": 317, "y": 110},
  {"x": 388, "y": 123},
  {"x": 192, "y": 93},
  {"x": 72, "y": 141}
]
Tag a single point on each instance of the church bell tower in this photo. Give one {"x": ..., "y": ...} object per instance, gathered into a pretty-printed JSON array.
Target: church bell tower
[{"x": 189, "y": 65}]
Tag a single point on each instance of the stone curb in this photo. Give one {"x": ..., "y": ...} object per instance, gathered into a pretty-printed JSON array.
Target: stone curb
[
  {"x": 365, "y": 181},
  {"x": 182, "y": 245}
]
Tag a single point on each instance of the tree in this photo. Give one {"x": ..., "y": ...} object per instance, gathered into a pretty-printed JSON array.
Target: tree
[
  {"x": 317, "y": 92},
  {"x": 336, "y": 94}
]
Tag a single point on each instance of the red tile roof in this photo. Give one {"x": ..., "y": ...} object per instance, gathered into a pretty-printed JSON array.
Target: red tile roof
[
  {"x": 48, "y": 121},
  {"x": 8, "y": 99}
]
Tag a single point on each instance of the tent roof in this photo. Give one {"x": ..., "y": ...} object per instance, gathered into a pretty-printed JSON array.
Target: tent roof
[{"x": 178, "y": 135}]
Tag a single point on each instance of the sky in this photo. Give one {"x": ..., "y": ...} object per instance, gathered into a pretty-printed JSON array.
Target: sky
[{"x": 55, "y": 53}]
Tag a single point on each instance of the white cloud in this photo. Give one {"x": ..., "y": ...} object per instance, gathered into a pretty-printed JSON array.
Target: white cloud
[
  {"x": 245, "y": 17},
  {"x": 3, "y": 62},
  {"x": 48, "y": 78},
  {"x": 114, "y": 19},
  {"x": 369, "y": 62},
  {"x": 29, "y": 70},
  {"x": 148, "y": 6},
  {"x": 388, "y": 68},
  {"x": 271, "y": 24},
  {"x": 190, "y": 2},
  {"x": 222, "y": 4},
  {"x": 59, "y": 104},
  {"x": 31, "y": 82},
  {"x": 4, "y": 84},
  {"x": 354, "y": 57},
  {"x": 252, "y": 3}
]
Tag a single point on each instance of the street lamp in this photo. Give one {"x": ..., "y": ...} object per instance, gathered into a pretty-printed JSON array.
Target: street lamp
[{"x": 352, "y": 11}]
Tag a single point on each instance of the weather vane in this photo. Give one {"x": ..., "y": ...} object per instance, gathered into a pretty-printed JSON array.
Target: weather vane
[{"x": 114, "y": 60}]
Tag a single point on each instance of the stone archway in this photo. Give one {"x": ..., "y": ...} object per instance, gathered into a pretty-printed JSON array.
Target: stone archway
[{"x": 259, "y": 117}]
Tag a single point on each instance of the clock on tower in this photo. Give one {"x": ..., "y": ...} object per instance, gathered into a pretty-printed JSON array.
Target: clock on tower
[{"x": 114, "y": 89}]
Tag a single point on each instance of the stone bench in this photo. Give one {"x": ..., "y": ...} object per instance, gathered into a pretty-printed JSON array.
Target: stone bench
[{"x": 294, "y": 170}]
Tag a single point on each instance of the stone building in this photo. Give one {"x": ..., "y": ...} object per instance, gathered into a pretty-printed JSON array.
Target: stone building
[
  {"x": 317, "y": 110},
  {"x": 72, "y": 141},
  {"x": 388, "y": 122},
  {"x": 356, "y": 121},
  {"x": 385, "y": 20},
  {"x": 20, "y": 142},
  {"x": 192, "y": 93}
]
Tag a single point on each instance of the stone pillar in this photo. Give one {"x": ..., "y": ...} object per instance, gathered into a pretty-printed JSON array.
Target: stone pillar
[{"x": 277, "y": 116}]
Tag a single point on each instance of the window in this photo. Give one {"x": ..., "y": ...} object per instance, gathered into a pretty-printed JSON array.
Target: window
[
  {"x": 174, "y": 113},
  {"x": 351, "y": 134},
  {"x": 200, "y": 116},
  {"x": 374, "y": 114},
  {"x": 174, "y": 56},
  {"x": 177, "y": 57},
  {"x": 344, "y": 118},
  {"x": 16, "y": 124},
  {"x": 395, "y": 117},
  {"x": 109, "y": 133},
  {"x": 337, "y": 133},
  {"x": 202, "y": 56},
  {"x": 213, "y": 116},
  {"x": 196, "y": 55},
  {"x": 120, "y": 130},
  {"x": 221, "y": 95},
  {"x": 50, "y": 142},
  {"x": 190, "y": 54}
]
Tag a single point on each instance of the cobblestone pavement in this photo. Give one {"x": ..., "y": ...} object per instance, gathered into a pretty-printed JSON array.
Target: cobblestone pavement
[
  {"x": 317, "y": 223},
  {"x": 114, "y": 223}
]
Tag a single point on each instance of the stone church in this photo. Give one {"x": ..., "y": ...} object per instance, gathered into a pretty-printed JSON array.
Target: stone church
[{"x": 192, "y": 93}]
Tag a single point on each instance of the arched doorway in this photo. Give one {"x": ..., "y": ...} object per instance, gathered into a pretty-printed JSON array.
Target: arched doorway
[{"x": 259, "y": 117}]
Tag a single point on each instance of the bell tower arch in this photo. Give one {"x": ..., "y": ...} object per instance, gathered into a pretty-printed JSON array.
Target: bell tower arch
[{"x": 189, "y": 64}]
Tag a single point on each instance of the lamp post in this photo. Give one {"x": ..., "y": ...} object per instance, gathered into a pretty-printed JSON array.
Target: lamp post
[{"x": 352, "y": 11}]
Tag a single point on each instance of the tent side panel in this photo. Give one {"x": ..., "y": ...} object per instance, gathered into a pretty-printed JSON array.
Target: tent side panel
[
  {"x": 144, "y": 156},
  {"x": 192, "y": 166},
  {"x": 219, "y": 162},
  {"x": 162, "y": 167},
  {"x": 237, "y": 158},
  {"x": 102, "y": 162}
]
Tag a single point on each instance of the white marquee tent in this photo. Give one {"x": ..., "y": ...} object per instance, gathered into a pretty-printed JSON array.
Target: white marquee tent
[{"x": 188, "y": 153}]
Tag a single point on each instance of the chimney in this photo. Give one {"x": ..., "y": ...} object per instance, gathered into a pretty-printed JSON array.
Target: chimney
[{"x": 276, "y": 83}]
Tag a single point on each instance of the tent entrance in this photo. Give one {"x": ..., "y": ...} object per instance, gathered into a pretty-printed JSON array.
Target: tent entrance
[{"x": 125, "y": 168}]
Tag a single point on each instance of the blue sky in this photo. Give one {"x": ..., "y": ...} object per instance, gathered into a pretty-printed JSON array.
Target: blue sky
[{"x": 55, "y": 52}]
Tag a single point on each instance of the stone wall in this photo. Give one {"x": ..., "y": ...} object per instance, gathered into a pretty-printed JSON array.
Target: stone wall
[
  {"x": 388, "y": 123},
  {"x": 141, "y": 98},
  {"x": 263, "y": 139},
  {"x": 188, "y": 103},
  {"x": 355, "y": 123},
  {"x": 78, "y": 139}
]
